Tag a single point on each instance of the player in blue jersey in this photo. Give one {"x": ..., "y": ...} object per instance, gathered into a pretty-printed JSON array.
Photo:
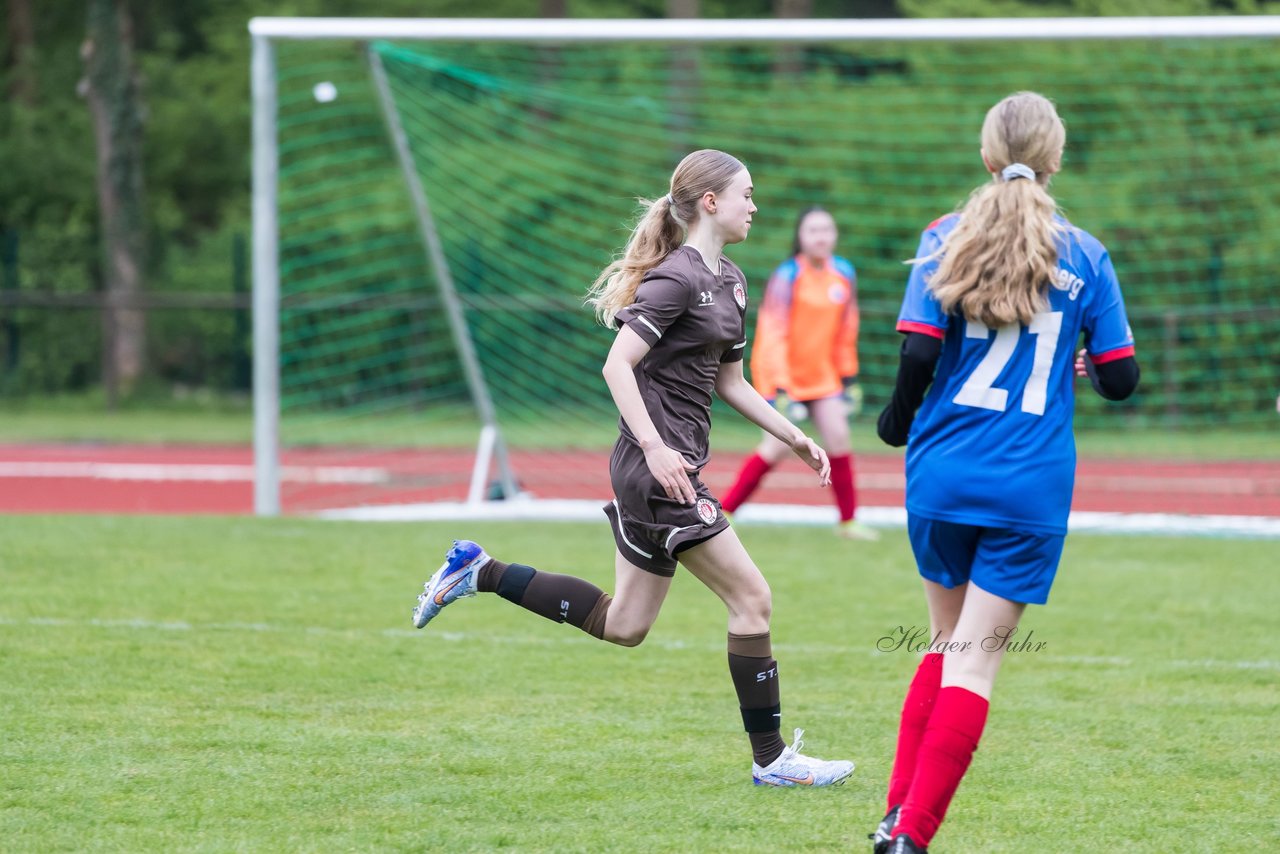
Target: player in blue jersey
[{"x": 998, "y": 297}]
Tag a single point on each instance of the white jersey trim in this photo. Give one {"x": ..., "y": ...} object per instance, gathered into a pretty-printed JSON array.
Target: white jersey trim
[
  {"x": 667, "y": 544},
  {"x": 656, "y": 330}
]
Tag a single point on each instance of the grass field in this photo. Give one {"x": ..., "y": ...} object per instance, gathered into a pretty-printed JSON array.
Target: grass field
[{"x": 235, "y": 684}]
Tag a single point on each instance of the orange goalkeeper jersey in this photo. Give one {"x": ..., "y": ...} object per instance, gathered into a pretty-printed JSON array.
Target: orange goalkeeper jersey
[{"x": 806, "y": 338}]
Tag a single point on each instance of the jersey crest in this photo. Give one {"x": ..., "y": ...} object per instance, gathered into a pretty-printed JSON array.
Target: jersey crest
[{"x": 707, "y": 511}]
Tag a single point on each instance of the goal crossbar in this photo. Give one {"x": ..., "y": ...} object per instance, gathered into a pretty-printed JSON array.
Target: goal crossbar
[{"x": 763, "y": 30}]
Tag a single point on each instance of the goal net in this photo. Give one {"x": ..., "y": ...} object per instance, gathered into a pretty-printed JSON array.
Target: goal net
[{"x": 433, "y": 198}]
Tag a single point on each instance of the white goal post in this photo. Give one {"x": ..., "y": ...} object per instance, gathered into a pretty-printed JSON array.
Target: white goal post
[{"x": 265, "y": 32}]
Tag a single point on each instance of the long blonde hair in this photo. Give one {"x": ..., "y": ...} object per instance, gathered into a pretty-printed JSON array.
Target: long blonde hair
[
  {"x": 661, "y": 229},
  {"x": 996, "y": 265}
]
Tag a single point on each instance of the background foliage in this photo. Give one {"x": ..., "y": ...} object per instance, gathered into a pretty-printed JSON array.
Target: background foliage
[{"x": 194, "y": 59}]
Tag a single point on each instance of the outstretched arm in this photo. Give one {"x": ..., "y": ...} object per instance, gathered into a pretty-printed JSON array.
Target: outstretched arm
[{"x": 733, "y": 389}]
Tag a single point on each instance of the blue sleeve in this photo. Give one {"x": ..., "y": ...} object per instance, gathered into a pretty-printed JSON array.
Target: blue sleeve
[
  {"x": 920, "y": 311},
  {"x": 1106, "y": 326},
  {"x": 845, "y": 266}
]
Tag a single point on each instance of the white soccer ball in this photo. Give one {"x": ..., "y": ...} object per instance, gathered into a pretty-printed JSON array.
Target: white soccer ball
[{"x": 325, "y": 92}]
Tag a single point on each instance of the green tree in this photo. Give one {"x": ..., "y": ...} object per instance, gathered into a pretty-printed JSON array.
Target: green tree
[{"x": 111, "y": 88}]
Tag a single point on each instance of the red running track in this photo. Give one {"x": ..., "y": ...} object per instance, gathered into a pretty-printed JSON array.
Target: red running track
[{"x": 219, "y": 479}]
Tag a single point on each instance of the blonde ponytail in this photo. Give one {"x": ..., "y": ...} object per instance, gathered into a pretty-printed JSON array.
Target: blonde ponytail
[
  {"x": 996, "y": 265},
  {"x": 655, "y": 237},
  {"x": 661, "y": 229}
]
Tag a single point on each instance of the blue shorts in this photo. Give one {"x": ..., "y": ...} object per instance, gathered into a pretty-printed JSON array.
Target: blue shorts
[{"x": 1013, "y": 565}]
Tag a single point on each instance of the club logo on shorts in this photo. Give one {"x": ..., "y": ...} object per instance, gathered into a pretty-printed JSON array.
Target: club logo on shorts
[
  {"x": 707, "y": 511},
  {"x": 740, "y": 294}
]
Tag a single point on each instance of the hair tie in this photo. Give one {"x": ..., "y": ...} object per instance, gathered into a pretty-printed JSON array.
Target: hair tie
[
  {"x": 671, "y": 201},
  {"x": 1014, "y": 171}
]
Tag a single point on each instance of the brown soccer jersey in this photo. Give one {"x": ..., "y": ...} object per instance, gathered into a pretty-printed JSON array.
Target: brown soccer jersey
[{"x": 693, "y": 321}]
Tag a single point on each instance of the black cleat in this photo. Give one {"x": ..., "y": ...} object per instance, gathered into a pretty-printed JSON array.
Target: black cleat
[
  {"x": 902, "y": 844},
  {"x": 882, "y": 837}
]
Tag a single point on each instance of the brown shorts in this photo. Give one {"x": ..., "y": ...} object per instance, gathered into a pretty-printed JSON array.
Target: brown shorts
[{"x": 650, "y": 528}]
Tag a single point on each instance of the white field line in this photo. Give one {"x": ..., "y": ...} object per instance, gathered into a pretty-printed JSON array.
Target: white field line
[
  {"x": 567, "y": 510},
  {"x": 1204, "y": 485},
  {"x": 1159, "y": 484},
  {"x": 578, "y": 510},
  {"x": 187, "y": 472},
  {"x": 233, "y": 472},
  {"x": 571, "y": 638},
  {"x": 888, "y": 481}
]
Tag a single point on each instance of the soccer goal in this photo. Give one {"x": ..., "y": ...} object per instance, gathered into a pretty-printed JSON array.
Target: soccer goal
[{"x": 431, "y": 199}]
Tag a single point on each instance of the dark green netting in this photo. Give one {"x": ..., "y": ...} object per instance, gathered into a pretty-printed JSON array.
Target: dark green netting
[{"x": 532, "y": 157}]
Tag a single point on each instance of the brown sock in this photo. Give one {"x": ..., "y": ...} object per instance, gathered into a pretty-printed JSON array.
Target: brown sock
[
  {"x": 490, "y": 575},
  {"x": 755, "y": 678},
  {"x": 561, "y": 598}
]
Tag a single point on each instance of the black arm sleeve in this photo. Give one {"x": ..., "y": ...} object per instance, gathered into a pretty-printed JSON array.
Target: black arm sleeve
[
  {"x": 1114, "y": 380},
  {"x": 919, "y": 357}
]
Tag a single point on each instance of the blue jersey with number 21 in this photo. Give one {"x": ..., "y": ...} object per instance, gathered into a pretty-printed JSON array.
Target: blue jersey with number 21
[{"x": 992, "y": 443}]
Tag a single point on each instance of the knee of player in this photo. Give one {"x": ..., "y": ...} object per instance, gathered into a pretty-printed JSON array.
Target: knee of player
[
  {"x": 773, "y": 452},
  {"x": 627, "y": 635},
  {"x": 631, "y": 638},
  {"x": 968, "y": 661},
  {"x": 758, "y": 603}
]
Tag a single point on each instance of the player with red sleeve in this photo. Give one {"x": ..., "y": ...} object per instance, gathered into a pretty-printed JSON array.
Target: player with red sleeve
[{"x": 998, "y": 296}]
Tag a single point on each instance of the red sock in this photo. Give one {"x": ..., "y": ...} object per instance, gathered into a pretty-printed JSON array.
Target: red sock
[
  {"x": 842, "y": 483},
  {"x": 948, "y": 744},
  {"x": 915, "y": 717},
  {"x": 754, "y": 468}
]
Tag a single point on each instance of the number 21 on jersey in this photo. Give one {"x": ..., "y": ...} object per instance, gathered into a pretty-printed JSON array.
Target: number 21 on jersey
[{"x": 980, "y": 391}]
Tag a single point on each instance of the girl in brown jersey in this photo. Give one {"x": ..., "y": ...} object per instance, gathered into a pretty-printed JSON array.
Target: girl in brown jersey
[{"x": 678, "y": 305}]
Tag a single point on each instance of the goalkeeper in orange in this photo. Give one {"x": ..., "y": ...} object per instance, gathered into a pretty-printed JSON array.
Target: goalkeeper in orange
[{"x": 805, "y": 357}]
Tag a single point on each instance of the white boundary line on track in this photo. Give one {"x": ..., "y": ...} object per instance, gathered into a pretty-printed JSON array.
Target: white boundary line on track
[
  {"x": 224, "y": 472},
  {"x": 565, "y": 510},
  {"x": 573, "y": 510},
  {"x": 178, "y": 626},
  {"x": 185, "y": 472}
]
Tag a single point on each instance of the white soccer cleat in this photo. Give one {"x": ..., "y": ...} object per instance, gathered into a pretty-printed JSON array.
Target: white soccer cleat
[
  {"x": 793, "y": 768},
  {"x": 855, "y": 530},
  {"x": 455, "y": 579}
]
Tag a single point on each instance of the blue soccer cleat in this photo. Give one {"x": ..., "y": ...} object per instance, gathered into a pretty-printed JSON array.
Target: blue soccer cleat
[
  {"x": 455, "y": 579},
  {"x": 793, "y": 768}
]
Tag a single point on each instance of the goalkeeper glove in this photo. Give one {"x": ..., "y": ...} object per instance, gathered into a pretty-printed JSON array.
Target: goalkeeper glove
[
  {"x": 852, "y": 396},
  {"x": 793, "y": 409}
]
